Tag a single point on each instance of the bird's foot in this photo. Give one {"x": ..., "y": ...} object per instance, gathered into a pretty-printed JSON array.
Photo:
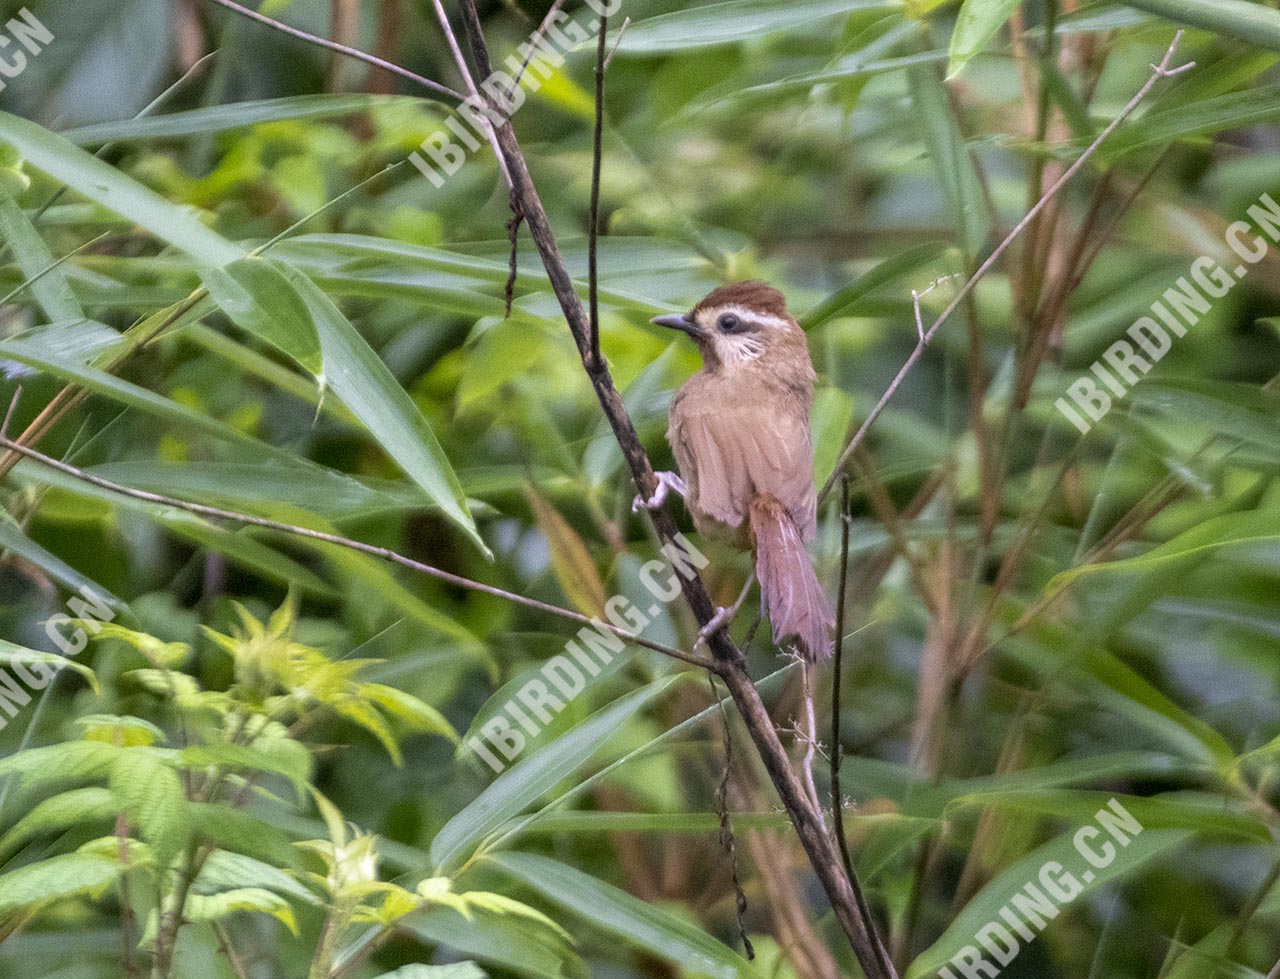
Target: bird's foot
[
  {"x": 667, "y": 482},
  {"x": 722, "y": 618}
]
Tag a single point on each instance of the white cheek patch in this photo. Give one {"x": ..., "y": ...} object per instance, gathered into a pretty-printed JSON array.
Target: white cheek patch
[{"x": 739, "y": 349}]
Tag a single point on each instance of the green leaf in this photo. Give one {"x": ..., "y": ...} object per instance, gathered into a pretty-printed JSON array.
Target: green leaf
[
  {"x": 151, "y": 795},
  {"x": 213, "y": 907},
  {"x": 1235, "y": 110},
  {"x": 1174, "y": 810},
  {"x": 258, "y": 298},
  {"x": 242, "y": 832},
  {"x": 953, "y": 167},
  {"x": 617, "y": 912},
  {"x": 1250, "y": 22},
  {"x": 48, "y": 284},
  {"x": 224, "y": 871},
  {"x": 1232, "y": 530},
  {"x": 107, "y": 186},
  {"x": 12, "y": 654},
  {"x": 520, "y": 786},
  {"x": 70, "y": 760},
  {"x": 985, "y": 906},
  {"x": 736, "y": 20},
  {"x": 57, "y": 879},
  {"x": 236, "y": 115},
  {"x": 409, "y": 710},
  {"x": 891, "y": 270},
  {"x": 458, "y": 970},
  {"x": 60, "y": 812},
  {"x": 283, "y": 756},
  {"x": 14, "y": 539},
  {"x": 976, "y": 24},
  {"x": 504, "y": 943},
  {"x": 364, "y": 384}
]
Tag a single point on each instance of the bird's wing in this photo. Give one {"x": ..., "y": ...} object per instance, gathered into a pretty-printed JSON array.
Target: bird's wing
[{"x": 735, "y": 451}]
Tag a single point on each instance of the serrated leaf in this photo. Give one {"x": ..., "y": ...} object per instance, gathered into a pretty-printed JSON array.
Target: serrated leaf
[
  {"x": 151, "y": 795},
  {"x": 58, "y": 878},
  {"x": 283, "y": 756},
  {"x": 213, "y": 907},
  {"x": 70, "y": 760},
  {"x": 60, "y": 812},
  {"x": 241, "y": 832},
  {"x": 419, "y": 716},
  {"x": 12, "y": 655}
]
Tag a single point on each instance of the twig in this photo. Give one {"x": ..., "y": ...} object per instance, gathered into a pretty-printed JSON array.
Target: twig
[
  {"x": 626, "y": 22},
  {"x": 380, "y": 552},
  {"x": 350, "y": 52},
  {"x": 533, "y": 45},
  {"x": 452, "y": 40},
  {"x": 1158, "y": 73},
  {"x": 727, "y": 840},
  {"x": 858, "y": 928},
  {"x": 593, "y": 229},
  {"x": 8, "y": 415},
  {"x": 228, "y": 950}
]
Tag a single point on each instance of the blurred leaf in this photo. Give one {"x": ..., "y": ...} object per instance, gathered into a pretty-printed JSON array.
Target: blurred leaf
[
  {"x": 213, "y": 907},
  {"x": 1250, "y": 22},
  {"x": 831, "y": 416},
  {"x": 885, "y": 273},
  {"x": 107, "y": 186},
  {"x": 529, "y": 779},
  {"x": 953, "y": 167},
  {"x": 572, "y": 563},
  {"x": 976, "y": 24},
  {"x": 48, "y": 284},
  {"x": 984, "y": 907},
  {"x": 236, "y": 115},
  {"x": 13, "y": 654},
  {"x": 59, "y": 813},
  {"x": 732, "y": 21},
  {"x": 458, "y": 970},
  {"x": 504, "y": 943},
  {"x": 610, "y": 909},
  {"x": 152, "y": 798},
  {"x": 56, "y": 879},
  {"x": 1162, "y": 127}
]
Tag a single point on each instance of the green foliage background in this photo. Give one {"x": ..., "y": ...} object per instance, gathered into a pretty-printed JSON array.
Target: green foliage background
[{"x": 278, "y": 725}]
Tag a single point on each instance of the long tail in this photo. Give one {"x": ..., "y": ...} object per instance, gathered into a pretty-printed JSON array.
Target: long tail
[{"x": 791, "y": 594}]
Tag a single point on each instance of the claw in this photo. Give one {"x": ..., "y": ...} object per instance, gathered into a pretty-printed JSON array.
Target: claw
[
  {"x": 721, "y": 620},
  {"x": 667, "y": 482}
]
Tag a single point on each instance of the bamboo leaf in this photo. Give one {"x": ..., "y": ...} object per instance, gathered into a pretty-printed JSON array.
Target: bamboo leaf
[
  {"x": 520, "y": 786},
  {"x": 649, "y": 927},
  {"x": 571, "y": 562},
  {"x": 976, "y": 24},
  {"x": 48, "y": 283},
  {"x": 1250, "y": 22}
]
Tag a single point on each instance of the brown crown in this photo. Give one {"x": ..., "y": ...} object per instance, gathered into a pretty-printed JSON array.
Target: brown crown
[{"x": 752, "y": 295}]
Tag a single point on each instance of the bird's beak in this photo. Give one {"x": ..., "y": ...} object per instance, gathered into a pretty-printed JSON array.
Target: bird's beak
[{"x": 684, "y": 322}]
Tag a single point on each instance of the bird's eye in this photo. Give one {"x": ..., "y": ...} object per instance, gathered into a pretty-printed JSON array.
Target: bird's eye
[{"x": 728, "y": 323}]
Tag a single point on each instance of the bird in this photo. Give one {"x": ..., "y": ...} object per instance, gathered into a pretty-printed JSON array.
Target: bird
[{"x": 739, "y": 431}]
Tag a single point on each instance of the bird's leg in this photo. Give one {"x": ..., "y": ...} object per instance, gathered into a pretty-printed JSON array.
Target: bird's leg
[
  {"x": 667, "y": 481},
  {"x": 724, "y": 615}
]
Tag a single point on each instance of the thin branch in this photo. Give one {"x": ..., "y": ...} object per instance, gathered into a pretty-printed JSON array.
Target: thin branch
[
  {"x": 452, "y": 39},
  {"x": 384, "y": 553},
  {"x": 617, "y": 43},
  {"x": 593, "y": 229},
  {"x": 533, "y": 45},
  {"x": 1158, "y": 73},
  {"x": 350, "y": 52},
  {"x": 858, "y": 928}
]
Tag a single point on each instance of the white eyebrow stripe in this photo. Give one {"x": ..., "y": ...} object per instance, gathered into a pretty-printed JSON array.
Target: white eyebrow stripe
[{"x": 754, "y": 315}]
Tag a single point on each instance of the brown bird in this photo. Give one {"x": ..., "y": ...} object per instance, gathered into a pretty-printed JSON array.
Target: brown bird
[{"x": 739, "y": 430}]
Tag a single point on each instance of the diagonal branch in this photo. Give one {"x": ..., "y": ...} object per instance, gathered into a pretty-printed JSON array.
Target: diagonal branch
[
  {"x": 385, "y": 553},
  {"x": 1158, "y": 73},
  {"x": 350, "y": 52},
  {"x": 730, "y": 663}
]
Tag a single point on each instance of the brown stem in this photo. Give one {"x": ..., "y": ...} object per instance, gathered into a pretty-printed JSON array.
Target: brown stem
[
  {"x": 593, "y": 229},
  {"x": 730, "y": 664}
]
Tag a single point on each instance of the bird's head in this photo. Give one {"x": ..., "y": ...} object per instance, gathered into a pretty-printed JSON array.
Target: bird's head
[{"x": 740, "y": 324}]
